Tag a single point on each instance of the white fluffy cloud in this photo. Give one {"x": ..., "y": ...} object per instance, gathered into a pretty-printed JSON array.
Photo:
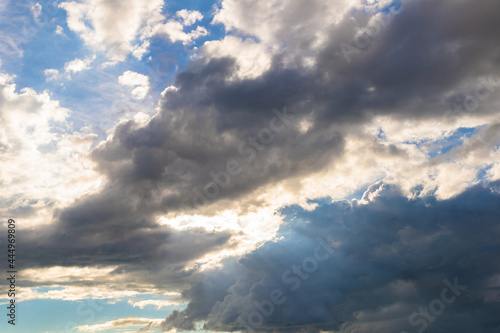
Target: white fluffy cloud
[
  {"x": 297, "y": 27},
  {"x": 277, "y": 23},
  {"x": 397, "y": 159},
  {"x": 44, "y": 164},
  {"x": 174, "y": 31},
  {"x": 111, "y": 26},
  {"x": 189, "y": 17},
  {"x": 252, "y": 58},
  {"x": 51, "y": 74},
  {"x": 120, "y": 28},
  {"x": 139, "y": 83},
  {"x": 71, "y": 67},
  {"x": 78, "y": 65}
]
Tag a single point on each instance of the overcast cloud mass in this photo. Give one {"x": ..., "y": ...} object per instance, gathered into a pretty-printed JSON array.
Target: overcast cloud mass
[{"x": 251, "y": 166}]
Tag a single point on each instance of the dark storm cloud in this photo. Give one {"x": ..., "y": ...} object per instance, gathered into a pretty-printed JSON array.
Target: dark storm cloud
[
  {"x": 208, "y": 289},
  {"x": 420, "y": 64},
  {"x": 383, "y": 262},
  {"x": 412, "y": 67},
  {"x": 416, "y": 67},
  {"x": 424, "y": 53},
  {"x": 162, "y": 166}
]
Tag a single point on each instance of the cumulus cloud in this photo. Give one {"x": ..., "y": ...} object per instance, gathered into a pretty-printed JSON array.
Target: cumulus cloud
[
  {"x": 119, "y": 28},
  {"x": 252, "y": 58},
  {"x": 219, "y": 141},
  {"x": 275, "y": 116},
  {"x": 78, "y": 65},
  {"x": 348, "y": 266},
  {"x": 51, "y": 74},
  {"x": 292, "y": 25},
  {"x": 110, "y": 26},
  {"x": 345, "y": 117},
  {"x": 71, "y": 67},
  {"x": 45, "y": 163},
  {"x": 333, "y": 106},
  {"x": 45, "y": 167},
  {"x": 139, "y": 83},
  {"x": 174, "y": 31}
]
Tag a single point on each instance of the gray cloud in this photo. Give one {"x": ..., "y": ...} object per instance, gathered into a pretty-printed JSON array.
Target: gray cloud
[
  {"x": 420, "y": 65},
  {"x": 421, "y": 58},
  {"x": 388, "y": 258}
]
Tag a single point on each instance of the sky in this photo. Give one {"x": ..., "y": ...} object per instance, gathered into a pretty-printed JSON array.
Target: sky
[{"x": 250, "y": 166}]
